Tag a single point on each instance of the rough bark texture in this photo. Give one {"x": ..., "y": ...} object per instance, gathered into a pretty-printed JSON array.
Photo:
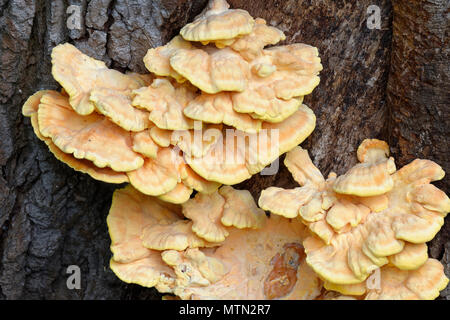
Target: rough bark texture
[
  {"x": 52, "y": 217},
  {"x": 418, "y": 93}
]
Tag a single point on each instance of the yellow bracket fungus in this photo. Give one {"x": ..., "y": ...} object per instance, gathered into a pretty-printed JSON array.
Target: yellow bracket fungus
[
  {"x": 218, "y": 22},
  {"x": 261, "y": 258},
  {"x": 355, "y": 233}
]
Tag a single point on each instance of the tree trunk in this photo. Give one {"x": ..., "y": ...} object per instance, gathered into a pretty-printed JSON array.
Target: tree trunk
[{"x": 52, "y": 217}]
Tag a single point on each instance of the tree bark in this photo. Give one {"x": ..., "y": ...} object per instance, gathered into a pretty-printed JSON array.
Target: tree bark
[
  {"x": 418, "y": 94},
  {"x": 52, "y": 217}
]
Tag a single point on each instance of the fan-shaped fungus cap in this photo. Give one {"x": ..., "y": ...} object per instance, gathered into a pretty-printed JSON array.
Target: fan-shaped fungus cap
[
  {"x": 283, "y": 202},
  {"x": 217, "y": 22},
  {"x": 212, "y": 70},
  {"x": 298, "y": 66},
  {"x": 302, "y": 168},
  {"x": 279, "y": 80},
  {"x": 423, "y": 283},
  {"x": 130, "y": 213},
  {"x": 371, "y": 177},
  {"x": 157, "y": 60},
  {"x": 159, "y": 175},
  {"x": 213, "y": 213},
  {"x": 194, "y": 181},
  {"x": 165, "y": 101},
  {"x": 116, "y": 106},
  {"x": 355, "y": 235},
  {"x": 261, "y": 102},
  {"x": 161, "y": 137},
  {"x": 79, "y": 74},
  {"x": 144, "y": 144},
  {"x": 180, "y": 194},
  {"x": 102, "y": 174},
  {"x": 89, "y": 137},
  {"x": 250, "y": 46},
  {"x": 30, "y": 109},
  {"x": 206, "y": 211},
  {"x": 266, "y": 263},
  {"x": 148, "y": 272},
  {"x": 218, "y": 108},
  {"x": 240, "y": 209},
  {"x": 372, "y": 150},
  {"x": 237, "y": 158},
  {"x": 177, "y": 236}
]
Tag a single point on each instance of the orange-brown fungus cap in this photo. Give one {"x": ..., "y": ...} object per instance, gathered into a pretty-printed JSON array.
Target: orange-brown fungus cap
[
  {"x": 159, "y": 175},
  {"x": 423, "y": 283},
  {"x": 217, "y": 22},
  {"x": 30, "y": 109},
  {"x": 116, "y": 106},
  {"x": 206, "y": 211},
  {"x": 240, "y": 154},
  {"x": 355, "y": 235},
  {"x": 240, "y": 209},
  {"x": 130, "y": 213},
  {"x": 177, "y": 236},
  {"x": 218, "y": 108},
  {"x": 250, "y": 46},
  {"x": 371, "y": 177},
  {"x": 212, "y": 70},
  {"x": 157, "y": 60},
  {"x": 266, "y": 263},
  {"x": 89, "y": 137},
  {"x": 165, "y": 100},
  {"x": 79, "y": 74}
]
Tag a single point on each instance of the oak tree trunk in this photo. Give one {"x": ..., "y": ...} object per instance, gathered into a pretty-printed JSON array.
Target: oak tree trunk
[{"x": 52, "y": 217}]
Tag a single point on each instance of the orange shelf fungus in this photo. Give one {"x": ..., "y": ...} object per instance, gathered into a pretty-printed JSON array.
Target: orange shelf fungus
[
  {"x": 218, "y": 23},
  {"x": 30, "y": 109},
  {"x": 239, "y": 155},
  {"x": 80, "y": 74},
  {"x": 372, "y": 216},
  {"x": 392, "y": 283},
  {"x": 261, "y": 258},
  {"x": 219, "y": 72},
  {"x": 218, "y": 107},
  {"x": 214, "y": 94}
]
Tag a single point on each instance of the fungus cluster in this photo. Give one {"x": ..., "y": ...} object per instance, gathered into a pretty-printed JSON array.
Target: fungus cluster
[
  {"x": 216, "y": 246},
  {"x": 217, "y": 107},
  {"x": 372, "y": 218}
]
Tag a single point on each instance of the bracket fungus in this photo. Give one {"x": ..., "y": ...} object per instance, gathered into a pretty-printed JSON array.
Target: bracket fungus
[
  {"x": 372, "y": 216},
  {"x": 218, "y": 23},
  {"x": 30, "y": 109},
  {"x": 217, "y": 107},
  {"x": 213, "y": 78},
  {"x": 392, "y": 283},
  {"x": 259, "y": 258}
]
